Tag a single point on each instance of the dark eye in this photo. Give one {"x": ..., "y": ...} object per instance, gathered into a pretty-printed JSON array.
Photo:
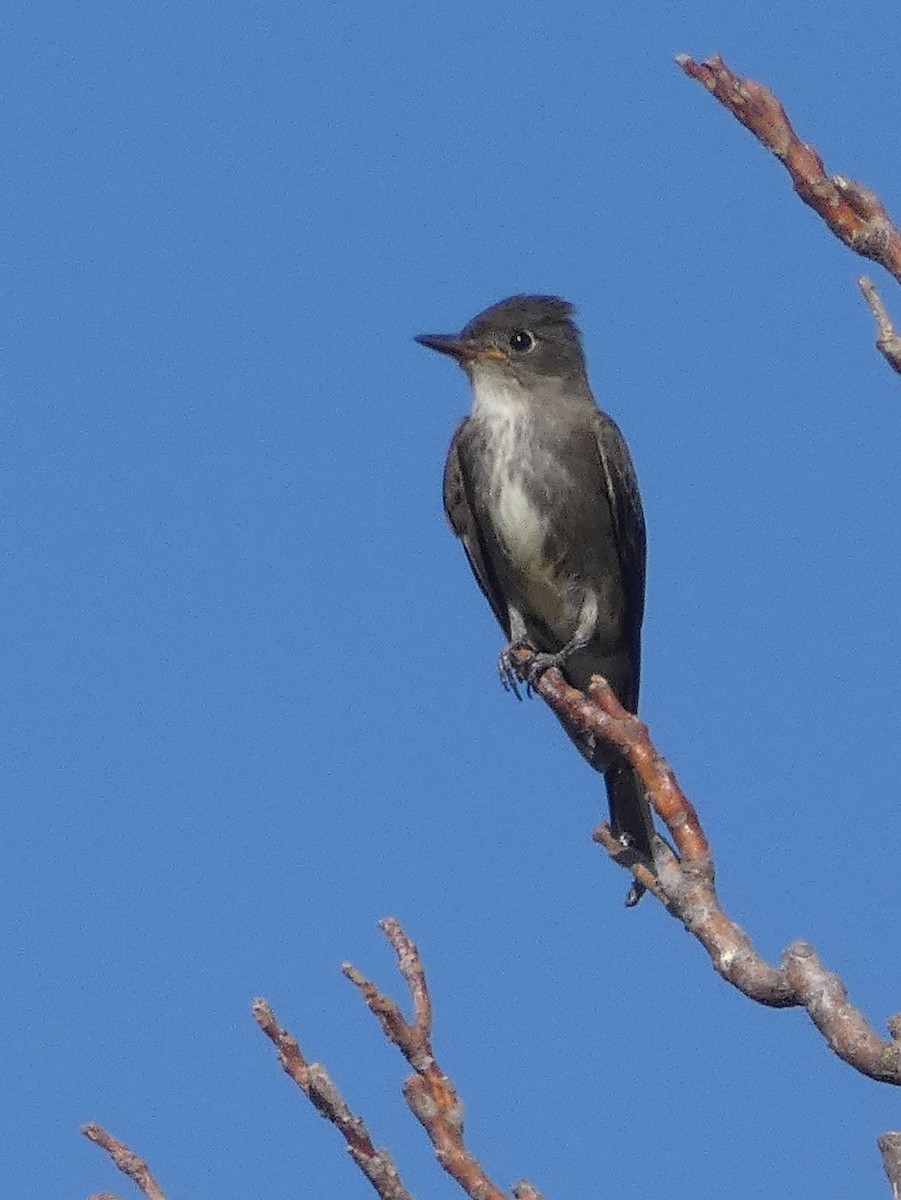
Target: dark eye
[{"x": 522, "y": 341}]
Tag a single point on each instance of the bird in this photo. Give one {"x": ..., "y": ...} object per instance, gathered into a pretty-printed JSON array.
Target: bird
[{"x": 540, "y": 488}]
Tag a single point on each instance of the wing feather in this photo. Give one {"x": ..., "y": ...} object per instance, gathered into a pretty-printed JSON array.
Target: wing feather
[
  {"x": 629, "y": 526},
  {"x": 461, "y": 515}
]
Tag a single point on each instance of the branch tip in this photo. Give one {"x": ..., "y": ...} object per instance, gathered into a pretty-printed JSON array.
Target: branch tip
[
  {"x": 125, "y": 1159},
  {"x": 853, "y": 212}
]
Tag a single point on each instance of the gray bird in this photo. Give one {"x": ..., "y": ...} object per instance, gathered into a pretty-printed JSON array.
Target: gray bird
[{"x": 540, "y": 488}]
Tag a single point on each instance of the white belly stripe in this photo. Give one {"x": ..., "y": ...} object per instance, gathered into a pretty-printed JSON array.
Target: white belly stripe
[{"x": 518, "y": 523}]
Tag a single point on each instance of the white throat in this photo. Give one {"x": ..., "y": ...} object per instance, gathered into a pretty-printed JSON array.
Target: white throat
[
  {"x": 505, "y": 415},
  {"x": 496, "y": 396}
]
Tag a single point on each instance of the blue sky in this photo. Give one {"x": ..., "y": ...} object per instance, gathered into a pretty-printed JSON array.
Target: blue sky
[{"x": 250, "y": 701}]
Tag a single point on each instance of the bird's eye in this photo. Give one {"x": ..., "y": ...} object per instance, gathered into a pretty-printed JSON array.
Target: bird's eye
[{"x": 521, "y": 341}]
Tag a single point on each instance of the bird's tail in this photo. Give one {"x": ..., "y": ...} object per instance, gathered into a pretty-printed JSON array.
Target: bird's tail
[{"x": 630, "y": 812}]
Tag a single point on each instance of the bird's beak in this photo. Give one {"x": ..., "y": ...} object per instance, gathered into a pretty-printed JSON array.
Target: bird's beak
[{"x": 459, "y": 348}]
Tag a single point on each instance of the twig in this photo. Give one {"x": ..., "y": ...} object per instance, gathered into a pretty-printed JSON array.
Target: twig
[
  {"x": 525, "y": 1191},
  {"x": 430, "y": 1093},
  {"x": 314, "y": 1082},
  {"x": 126, "y": 1160},
  {"x": 853, "y": 213},
  {"x": 890, "y": 1148},
  {"x": 888, "y": 342},
  {"x": 686, "y": 887}
]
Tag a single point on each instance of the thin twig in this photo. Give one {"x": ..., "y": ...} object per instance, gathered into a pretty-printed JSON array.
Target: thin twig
[
  {"x": 126, "y": 1160},
  {"x": 890, "y": 1148},
  {"x": 888, "y": 342},
  {"x": 314, "y": 1082},
  {"x": 855, "y": 214},
  {"x": 430, "y": 1094}
]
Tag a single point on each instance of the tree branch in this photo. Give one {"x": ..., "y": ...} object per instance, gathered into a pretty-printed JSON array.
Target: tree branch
[
  {"x": 854, "y": 213},
  {"x": 313, "y": 1080},
  {"x": 890, "y": 1148},
  {"x": 685, "y": 885},
  {"x": 888, "y": 343},
  {"x": 429, "y": 1092},
  {"x": 126, "y": 1160}
]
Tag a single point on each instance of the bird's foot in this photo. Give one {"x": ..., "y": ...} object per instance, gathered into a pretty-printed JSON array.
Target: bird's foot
[
  {"x": 505, "y": 669},
  {"x": 540, "y": 663},
  {"x": 543, "y": 662}
]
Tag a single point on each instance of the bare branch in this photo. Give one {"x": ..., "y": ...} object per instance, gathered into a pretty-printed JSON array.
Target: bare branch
[
  {"x": 888, "y": 342},
  {"x": 853, "y": 213},
  {"x": 126, "y": 1160},
  {"x": 685, "y": 884},
  {"x": 890, "y": 1148},
  {"x": 430, "y": 1093},
  {"x": 525, "y": 1191},
  {"x": 313, "y": 1080}
]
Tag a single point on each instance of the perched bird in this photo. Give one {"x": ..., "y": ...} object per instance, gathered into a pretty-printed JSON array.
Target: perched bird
[{"x": 540, "y": 488}]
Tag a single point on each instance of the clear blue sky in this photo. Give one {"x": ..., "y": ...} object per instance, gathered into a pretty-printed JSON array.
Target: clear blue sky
[{"x": 249, "y": 694}]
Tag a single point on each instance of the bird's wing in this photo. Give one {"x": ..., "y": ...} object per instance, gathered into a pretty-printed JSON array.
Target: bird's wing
[
  {"x": 461, "y": 515},
  {"x": 628, "y": 524}
]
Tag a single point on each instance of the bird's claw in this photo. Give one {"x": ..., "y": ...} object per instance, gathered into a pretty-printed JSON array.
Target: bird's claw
[
  {"x": 507, "y": 671},
  {"x": 541, "y": 663},
  {"x": 510, "y": 676}
]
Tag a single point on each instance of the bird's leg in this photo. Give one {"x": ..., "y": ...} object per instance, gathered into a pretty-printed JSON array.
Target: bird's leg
[
  {"x": 542, "y": 661},
  {"x": 588, "y": 619},
  {"x": 518, "y": 641}
]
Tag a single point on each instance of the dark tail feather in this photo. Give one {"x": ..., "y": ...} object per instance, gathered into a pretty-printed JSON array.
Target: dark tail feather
[{"x": 630, "y": 813}]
